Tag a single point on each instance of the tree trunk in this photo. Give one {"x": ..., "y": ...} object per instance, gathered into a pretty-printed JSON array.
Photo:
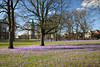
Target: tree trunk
[
  {"x": 28, "y": 35},
  {"x": 5, "y": 34},
  {"x": 83, "y": 35},
  {"x": 42, "y": 37},
  {"x": 10, "y": 40},
  {"x": 11, "y": 24},
  {"x": 10, "y": 29},
  {"x": 13, "y": 21}
]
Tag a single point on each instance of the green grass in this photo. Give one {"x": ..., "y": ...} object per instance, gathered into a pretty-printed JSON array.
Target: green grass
[
  {"x": 76, "y": 42},
  {"x": 4, "y": 44},
  {"x": 51, "y": 58}
]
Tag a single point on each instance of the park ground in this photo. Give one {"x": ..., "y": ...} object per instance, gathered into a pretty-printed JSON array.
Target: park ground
[{"x": 28, "y": 53}]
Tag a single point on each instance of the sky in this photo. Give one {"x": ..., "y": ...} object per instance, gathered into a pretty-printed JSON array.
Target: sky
[
  {"x": 95, "y": 14},
  {"x": 74, "y": 4}
]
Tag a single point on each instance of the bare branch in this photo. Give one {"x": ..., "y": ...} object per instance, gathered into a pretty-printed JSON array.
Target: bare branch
[
  {"x": 16, "y": 3},
  {"x": 51, "y": 29},
  {"x": 29, "y": 9},
  {"x": 3, "y": 11}
]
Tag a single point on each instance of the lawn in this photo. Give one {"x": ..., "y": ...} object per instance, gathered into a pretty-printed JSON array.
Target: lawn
[
  {"x": 50, "y": 57},
  {"x": 4, "y": 44}
]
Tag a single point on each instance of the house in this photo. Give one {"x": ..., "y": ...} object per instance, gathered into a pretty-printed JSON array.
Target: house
[
  {"x": 29, "y": 31},
  {"x": 4, "y": 34},
  {"x": 31, "y": 34},
  {"x": 80, "y": 35},
  {"x": 88, "y": 34},
  {"x": 96, "y": 34},
  {"x": 69, "y": 36},
  {"x": 23, "y": 36}
]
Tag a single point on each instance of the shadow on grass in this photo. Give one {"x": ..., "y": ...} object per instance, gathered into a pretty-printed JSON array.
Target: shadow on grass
[{"x": 55, "y": 47}]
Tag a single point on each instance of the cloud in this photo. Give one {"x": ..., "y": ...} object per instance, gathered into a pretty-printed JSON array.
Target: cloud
[
  {"x": 80, "y": 9},
  {"x": 84, "y": 3},
  {"x": 89, "y": 3},
  {"x": 52, "y": 12}
]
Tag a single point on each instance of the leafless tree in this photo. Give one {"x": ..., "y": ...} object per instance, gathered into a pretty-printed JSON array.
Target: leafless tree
[
  {"x": 8, "y": 6},
  {"x": 41, "y": 9},
  {"x": 81, "y": 21}
]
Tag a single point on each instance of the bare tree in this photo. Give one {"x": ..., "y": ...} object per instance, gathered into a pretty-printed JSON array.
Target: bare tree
[
  {"x": 41, "y": 9},
  {"x": 81, "y": 21},
  {"x": 8, "y": 6}
]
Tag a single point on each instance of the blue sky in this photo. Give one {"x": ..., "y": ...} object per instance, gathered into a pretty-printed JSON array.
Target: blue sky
[
  {"x": 78, "y": 4},
  {"x": 74, "y": 4}
]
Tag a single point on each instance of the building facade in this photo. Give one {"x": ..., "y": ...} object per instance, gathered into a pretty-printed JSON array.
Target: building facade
[{"x": 4, "y": 34}]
